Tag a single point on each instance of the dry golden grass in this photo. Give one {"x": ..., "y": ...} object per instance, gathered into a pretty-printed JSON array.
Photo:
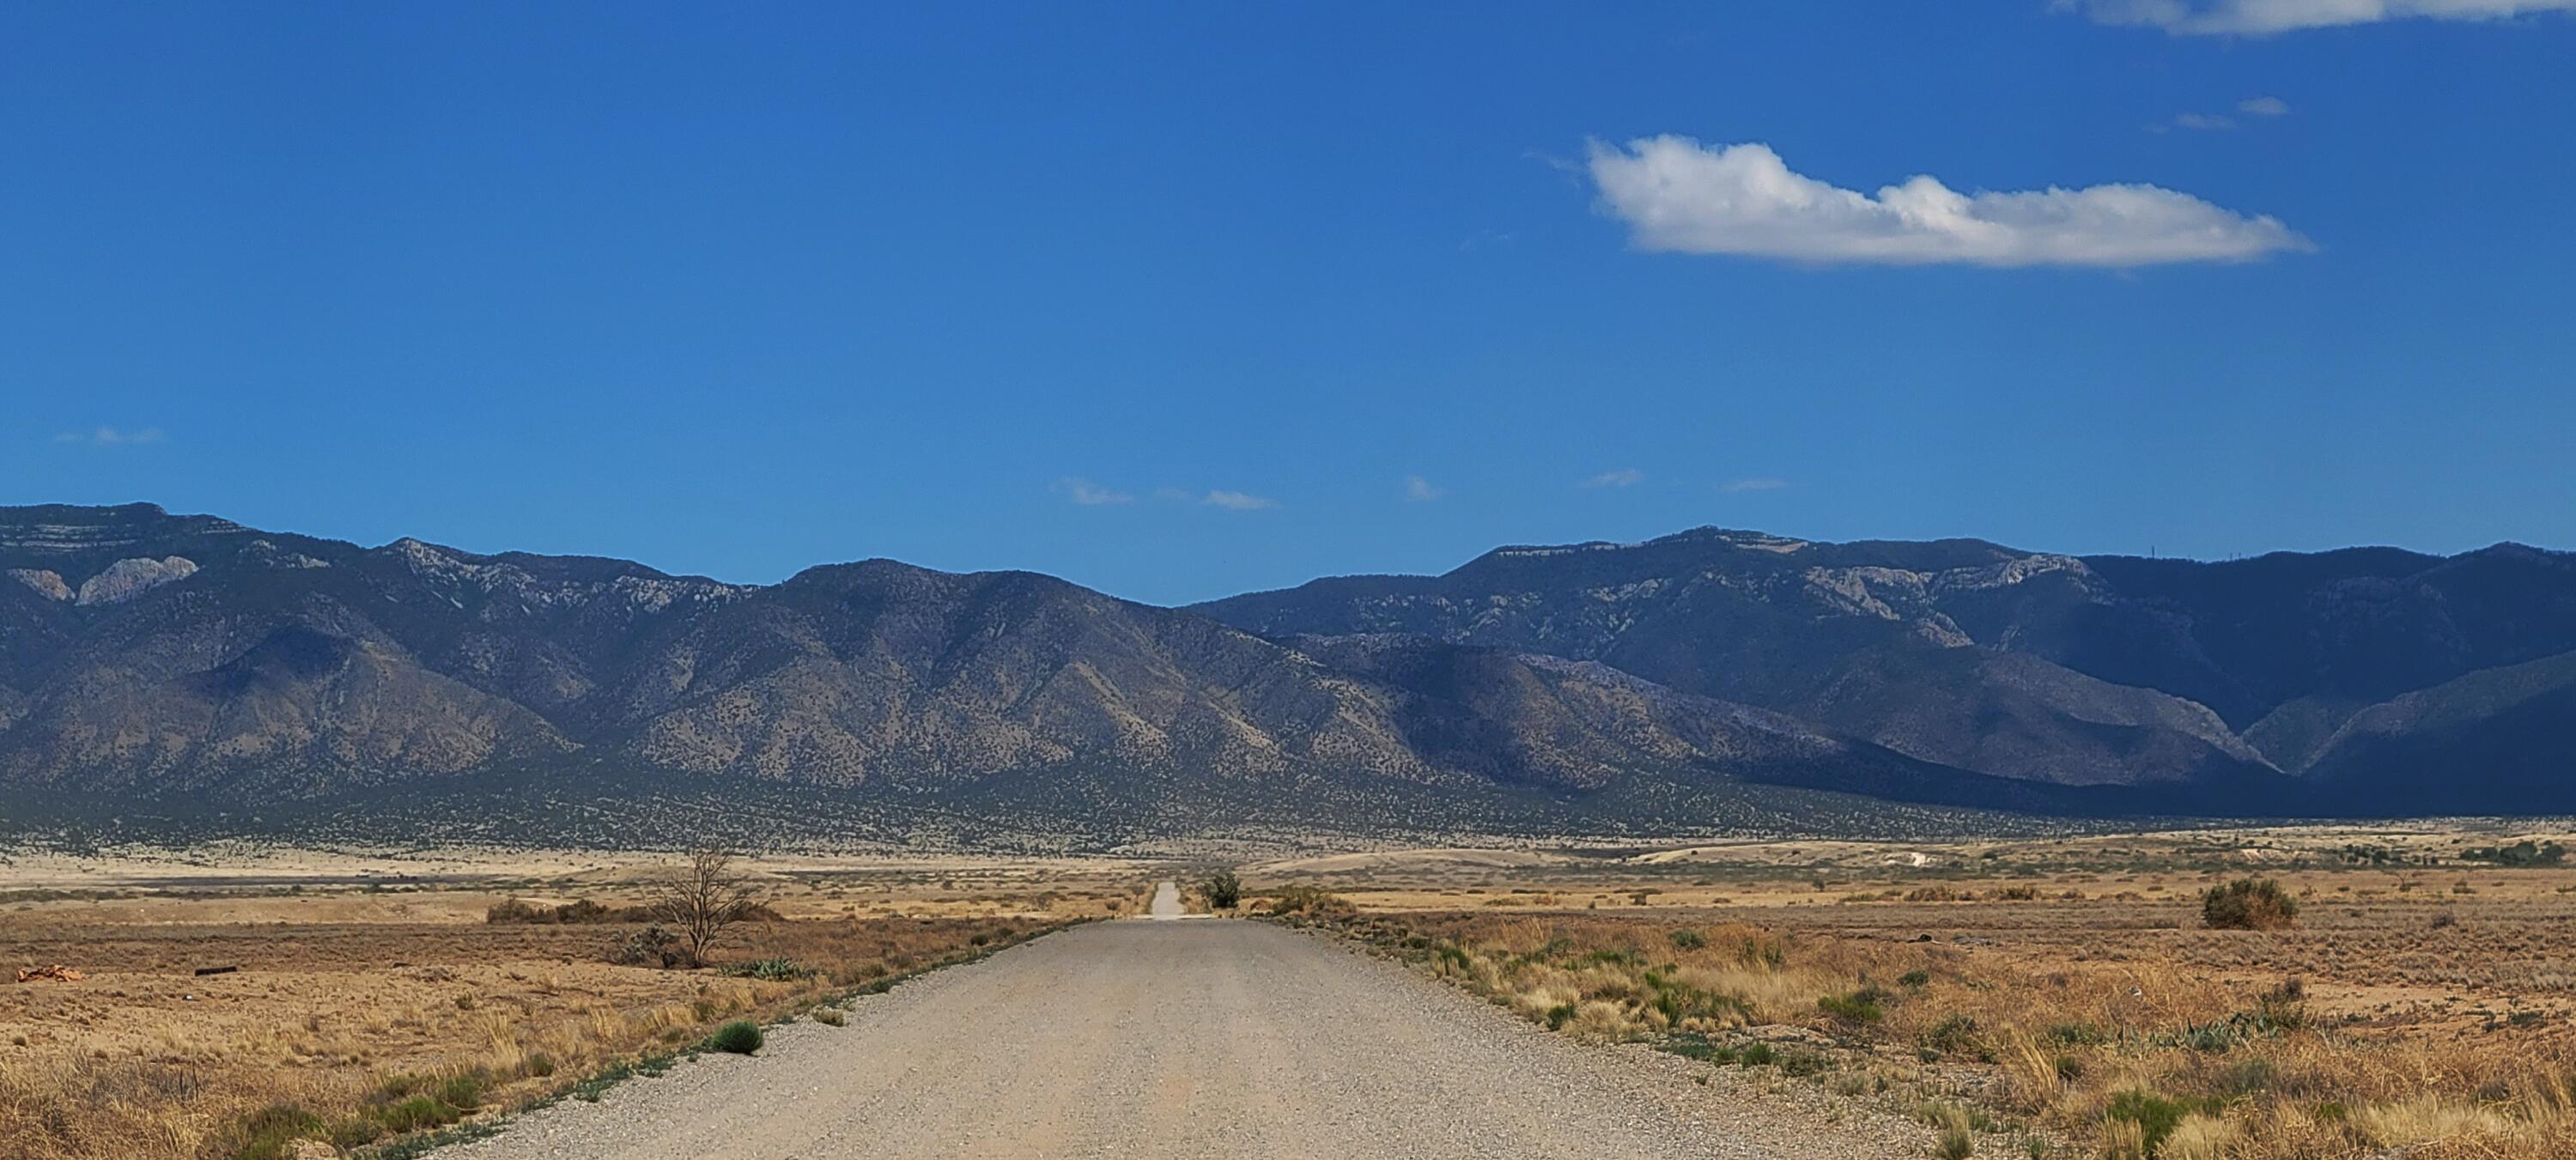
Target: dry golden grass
[
  {"x": 351, "y": 999},
  {"x": 2070, "y": 994}
]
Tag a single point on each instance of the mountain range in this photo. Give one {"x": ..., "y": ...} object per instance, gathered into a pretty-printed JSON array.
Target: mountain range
[{"x": 1707, "y": 680}]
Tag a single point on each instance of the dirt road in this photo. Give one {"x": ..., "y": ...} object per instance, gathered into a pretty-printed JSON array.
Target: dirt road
[{"x": 1215, "y": 1038}]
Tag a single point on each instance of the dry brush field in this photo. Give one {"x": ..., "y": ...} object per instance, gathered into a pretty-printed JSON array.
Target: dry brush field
[
  {"x": 2040, "y": 999},
  {"x": 365, "y": 1014}
]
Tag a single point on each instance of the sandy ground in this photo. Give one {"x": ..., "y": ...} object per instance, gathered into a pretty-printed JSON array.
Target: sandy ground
[
  {"x": 1167, "y": 902},
  {"x": 1217, "y": 1038}
]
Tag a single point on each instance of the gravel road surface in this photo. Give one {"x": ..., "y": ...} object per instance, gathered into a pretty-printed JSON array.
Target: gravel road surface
[{"x": 1213, "y": 1038}]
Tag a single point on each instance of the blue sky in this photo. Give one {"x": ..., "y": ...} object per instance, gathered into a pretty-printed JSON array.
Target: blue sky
[{"x": 1289, "y": 290}]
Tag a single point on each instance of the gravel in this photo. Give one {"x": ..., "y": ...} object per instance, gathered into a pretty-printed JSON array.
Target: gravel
[{"x": 1211, "y": 1038}]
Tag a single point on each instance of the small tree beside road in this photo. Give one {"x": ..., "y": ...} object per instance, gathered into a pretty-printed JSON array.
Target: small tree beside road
[
  {"x": 700, "y": 899},
  {"x": 1224, "y": 891}
]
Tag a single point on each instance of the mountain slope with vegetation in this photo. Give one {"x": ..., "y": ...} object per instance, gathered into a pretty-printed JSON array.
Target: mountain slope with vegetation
[
  {"x": 1707, "y": 679},
  {"x": 180, "y": 661},
  {"x": 2217, "y": 677}
]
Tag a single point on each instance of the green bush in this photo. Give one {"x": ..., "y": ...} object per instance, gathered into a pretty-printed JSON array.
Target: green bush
[
  {"x": 1224, "y": 891},
  {"x": 462, "y": 1091},
  {"x": 741, "y": 1037},
  {"x": 419, "y": 1113},
  {"x": 1679, "y": 1002},
  {"x": 2249, "y": 904},
  {"x": 777, "y": 970},
  {"x": 1952, "y": 1036},
  {"x": 2155, "y": 1116},
  {"x": 1861, "y": 1006},
  {"x": 271, "y": 1132}
]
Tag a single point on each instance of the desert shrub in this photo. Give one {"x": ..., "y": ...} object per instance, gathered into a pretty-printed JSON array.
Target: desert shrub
[
  {"x": 578, "y": 910},
  {"x": 1861, "y": 1006},
  {"x": 1224, "y": 891},
  {"x": 740, "y": 1037},
  {"x": 2285, "y": 1007},
  {"x": 462, "y": 1091},
  {"x": 2522, "y": 853},
  {"x": 417, "y": 1114},
  {"x": 271, "y": 1132},
  {"x": 649, "y": 947},
  {"x": 771, "y": 970},
  {"x": 1601, "y": 1022},
  {"x": 1958, "y": 1140},
  {"x": 1309, "y": 900},
  {"x": 2248, "y": 904},
  {"x": 1803, "y": 1062},
  {"x": 1763, "y": 950},
  {"x": 2156, "y": 1116},
  {"x": 1688, "y": 939},
  {"x": 1680, "y": 1003},
  {"x": 830, "y": 1016},
  {"x": 397, "y": 1086},
  {"x": 2077, "y": 1034},
  {"x": 1951, "y": 1036},
  {"x": 1691, "y": 1045}
]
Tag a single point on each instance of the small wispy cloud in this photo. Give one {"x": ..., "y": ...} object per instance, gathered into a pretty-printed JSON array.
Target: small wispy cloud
[
  {"x": 1420, "y": 490},
  {"x": 1089, "y": 494},
  {"x": 2221, "y": 122},
  {"x": 2266, "y": 17},
  {"x": 1762, "y": 483},
  {"x": 1624, "y": 477},
  {"x": 1236, "y": 501},
  {"x": 111, "y": 437},
  {"x": 1680, "y": 196}
]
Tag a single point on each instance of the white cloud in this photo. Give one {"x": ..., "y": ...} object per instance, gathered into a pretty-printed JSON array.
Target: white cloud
[
  {"x": 2264, "y": 17},
  {"x": 1624, "y": 477},
  {"x": 1237, "y": 501},
  {"x": 1765, "y": 483},
  {"x": 110, "y": 437},
  {"x": 1090, "y": 494},
  {"x": 2204, "y": 121},
  {"x": 1680, "y": 196},
  {"x": 2263, "y": 107},
  {"x": 1420, "y": 490}
]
